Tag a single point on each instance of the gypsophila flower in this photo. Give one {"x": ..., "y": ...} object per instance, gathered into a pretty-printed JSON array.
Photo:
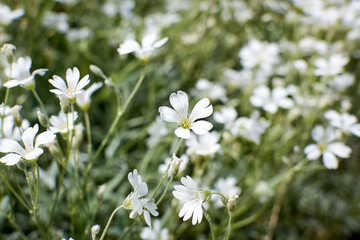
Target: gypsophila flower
[
  {"x": 327, "y": 147},
  {"x": 73, "y": 87},
  {"x": 155, "y": 233},
  {"x": 179, "y": 101},
  {"x": 20, "y": 74},
  {"x": 270, "y": 101},
  {"x": 193, "y": 199},
  {"x": 63, "y": 123},
  {"x": 345, "y": 122},
  {"x": 15, "y": 152},
  {"x": 83, "y": 99},
  {"x": 143, "y": 52},
  {"x": 136, "y": 202}
]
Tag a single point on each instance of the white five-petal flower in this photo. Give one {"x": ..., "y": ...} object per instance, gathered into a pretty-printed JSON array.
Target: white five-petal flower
[
  {"x": 15, "y": 152},
  {"x": 73, "y": 87},
  {"x": 143, "y": 52},
  {"x": 326, "y": 147},
  {"x": 20, "y": 74},
  {"x": 136, "y": 202},
  {"x": 193, "y": 199},
  {"x": 345, "y": 122},
  {"x": 63, "y": 123},
  {"x": 180, "y": 102}
]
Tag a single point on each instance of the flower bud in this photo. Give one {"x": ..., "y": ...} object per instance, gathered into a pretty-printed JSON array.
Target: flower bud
[
  {"x": 175, "y": 164},
  {"x": 95, "y": 230},
  {"x": 42, "y": 119},
  {"x": 7, "y": 49},
  {"x": 232, "y": 201},
  {"x": 15, "y": 112},
  {"x": 97, "y": 71},
  {"x": 64, "y": 104}
]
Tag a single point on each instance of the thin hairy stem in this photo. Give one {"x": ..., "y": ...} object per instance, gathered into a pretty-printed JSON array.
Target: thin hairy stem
[
  {"x": 207, "y": 216},
  {"x": 109, "y": 221}
]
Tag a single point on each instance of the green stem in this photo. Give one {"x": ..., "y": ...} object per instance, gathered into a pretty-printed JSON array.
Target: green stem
[
  {"x": 38, "y": 99},
  {"x": 18, "y": 229},
  {"x": 88, "y": 132},
  {"x": 109, "y": 221},
  {"x": 24, "y": 202},
  {"x": 207, "y": 216},
  {"x": 166, "y": 189},
  {"x": 129, "y": 229},
  {"x": 228, "y": 229},
  {"x": 119, "y": 114}
]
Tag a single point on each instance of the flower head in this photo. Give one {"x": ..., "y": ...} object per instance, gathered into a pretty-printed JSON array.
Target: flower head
[
  {"x": 136, "y": 202},
  {"x": 345, "y": 122},
  {"x": 179, "y": 101},
  {"x": 143, "y": 52},
  {"x": 83, "y": 99},
  {"x": 193, "y": 198},
  {"x": 206, "y": 144},
  {"x": 73, "y": 87},
  {"x": 20, "y": 74},
  {"x": 7, "y": 16},
  {"x": 326, "y": 147},
  {"x": 63, "y": 123},
  {"x": 15, "y": 152},
  {"x": 155, "y": 233}
]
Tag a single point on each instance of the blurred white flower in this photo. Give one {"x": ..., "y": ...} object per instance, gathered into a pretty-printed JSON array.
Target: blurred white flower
[
  {"x": 326, "y": 147},
  {"x": 57, "y": 21},
  {"x": 205, "y": 88},
  {"x": 75, "y": 34},
  {"x": 73, "y": 87},
  {"x": 136, "y": 202},
  {"x": 180, "y": 102},
  {"x": 124, "y": 7},
  {"x": 345, "y": 122},
  {"x": 260, "y": 54},
  {"x": 20, "y": 74},
  {"x": 342, "y": 82},
  {"x": 250, "y": 128},
  {"x": 83, "y": 99},
  {"x": 332, "y": 66},
  {"x": 270, "y": 101},
  {"x": 7, "y": 16},
  {"x": 206, "y": 144},
  {"x": 11, "y": 130},
  {"x": 263, "y": 191},
  {"x": 226, "y": 116},
  {"x": 156, "y": 131},
  {"x": 143, "y": 52},
  {"x": 226, "y": 186},
  {"x": 60, "y": 123},
  {"x": 309, "y": 45},
  {"x": 193, "y": 199},
  {"x": 32, "y": 149},
  {"x": 300, "y": 65},
  {"x": 155, "y": 233},
  {"x": 7, "y": 49}
]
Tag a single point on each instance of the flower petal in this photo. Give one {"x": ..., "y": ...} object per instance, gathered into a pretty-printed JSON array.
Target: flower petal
[
  {"x": 34, "y": 154},
  {"x": 182, "y": 133},
  {"x": 312, "y": 152},
  {"x": 168, "y": 114},
  {"x": 201, "y": 127},
  {"x": 180, "y": 102},
  {"x": 28, "y": 137},
  {"x": 44, "y": 138},
  {"x": 339, "y": 149},
  {"x": 10, "y": 159},
  {"x": 330, "y": 161},
  {"x": 201, "y": 110},
  {"x": 11, "y": 146}
]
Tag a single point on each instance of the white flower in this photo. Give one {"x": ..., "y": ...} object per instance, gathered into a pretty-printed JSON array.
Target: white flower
[
  {"x": 57, "y": 21},
  {"x": 332, "y": 66},
  {"x": 143, "y": 52},
  {"x": 155, "y": 233},
  {"x": 226, "y": 116},
  {"x": 60, "y": 123},
  {"x": 156, "y": 131},
  {"x": 73, "y": 87},
  {"x": 250, "y": 128},
  {"x": 326, "y": 147},
  {"x": 263, "y": 191},
  {"x": 179, "y": 101},
  {"x": 193, "y": 198},
  {"x": 83, "y": 99},
  {"x": 345, "y": 122},
  {"x": 136, "y": 202},
  {"x": 270, "y": 101},
  {"x": 31, "y": 152},
  {"x": 205, "y": 88},
  {"x": 342, "y": 82},
  {"x": 227, "y": 187},
  {"x": 206, "y": 144},
  {"x": 7, "y": 16},
  {"x": 20, "y": 74},
  {"x": 260, "y": 54}
]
